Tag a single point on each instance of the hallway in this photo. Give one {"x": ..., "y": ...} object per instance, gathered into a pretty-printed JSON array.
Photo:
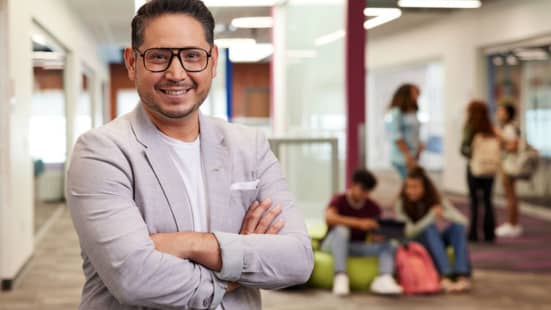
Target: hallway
[{"x": 53, "y": 280}]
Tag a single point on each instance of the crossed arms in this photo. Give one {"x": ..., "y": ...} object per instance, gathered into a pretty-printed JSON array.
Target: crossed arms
[{"x": 135, "y": 266}]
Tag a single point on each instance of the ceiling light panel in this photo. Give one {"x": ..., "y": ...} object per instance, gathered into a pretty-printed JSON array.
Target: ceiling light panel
[
  {"x": 230, "y": 42},
  {"x": 380, "y": 16},
  {"x": 239, "y": 3},
  {"x": 253, "y": 22},
  {"x": 251, "y": 53},
  {"x": 448, "y": 4}
]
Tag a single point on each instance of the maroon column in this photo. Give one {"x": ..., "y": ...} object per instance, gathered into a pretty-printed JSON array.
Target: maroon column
[{"x": 355, "y": 83}]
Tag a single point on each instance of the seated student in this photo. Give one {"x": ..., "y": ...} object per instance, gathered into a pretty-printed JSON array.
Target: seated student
[
  {"x": 350, "y": 217},
  {"x": 435, "y": 223}
]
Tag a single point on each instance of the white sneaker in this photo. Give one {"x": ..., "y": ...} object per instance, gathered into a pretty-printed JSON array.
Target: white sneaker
[
  {"x": 341, "y": 285},
  {"x": 386, "y": 285},
  {"x": 508, "y": 230}
]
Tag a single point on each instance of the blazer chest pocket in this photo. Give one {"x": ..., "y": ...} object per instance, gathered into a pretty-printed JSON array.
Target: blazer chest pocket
[{"x": 243, "y": 197}]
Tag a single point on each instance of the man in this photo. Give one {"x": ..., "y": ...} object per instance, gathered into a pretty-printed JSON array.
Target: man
[
  {"x": 350, "y": 216},
  {"x": 160, "y": 197}
]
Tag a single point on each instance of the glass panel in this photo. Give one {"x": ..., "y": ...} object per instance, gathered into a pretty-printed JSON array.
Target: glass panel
[
  {"x": 307, "y": 168},
  {"x": 83, "y": 119},
  {"x": 315, "y": 98},
  {"x": 48, "y": 131}
]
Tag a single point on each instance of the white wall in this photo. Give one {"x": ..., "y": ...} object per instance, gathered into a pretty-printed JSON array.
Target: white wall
[
  {"x": 457, "y": 42},
  {"x": 16, "y": 187}
]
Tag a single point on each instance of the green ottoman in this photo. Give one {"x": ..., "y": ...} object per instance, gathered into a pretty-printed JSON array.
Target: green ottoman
[{"x": 361, "y": 271}]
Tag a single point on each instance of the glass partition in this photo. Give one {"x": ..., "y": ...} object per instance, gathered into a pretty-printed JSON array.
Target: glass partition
[
  {"x": 48, "y": 133},
  {"x": 315, "y": 100}
]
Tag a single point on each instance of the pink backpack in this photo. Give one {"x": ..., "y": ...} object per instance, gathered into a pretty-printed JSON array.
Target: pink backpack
[{"x": 416, "y": 272}]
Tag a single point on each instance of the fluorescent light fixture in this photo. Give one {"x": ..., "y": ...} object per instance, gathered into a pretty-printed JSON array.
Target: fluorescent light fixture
[
  {"x": 497, "y": 61},
  {"x": 39, "y": 39},
  {"x": 138, "y": 4},
  {"x": 380, "y": 16},
  {"x": 446, "y": 4},
  {"x": 511, "y": 60},
  {"x": 235, "y": 3},
  {"x": 251, "y": 53},
  {"x": 231, "y": 42},
  {"x": 302, "y": 53},
  {"x": 531, "y": 54},
  {"x": 253, "y": 22},
  {"x": 330, "y": 37},
  {"x": 219, "y": 28}
]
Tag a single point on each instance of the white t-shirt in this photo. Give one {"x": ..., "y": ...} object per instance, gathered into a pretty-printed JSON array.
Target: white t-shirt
[{"x": 187, "y": 159}]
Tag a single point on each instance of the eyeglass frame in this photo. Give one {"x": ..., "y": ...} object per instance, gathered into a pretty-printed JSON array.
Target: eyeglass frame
[{"x": 179, "y": 51}]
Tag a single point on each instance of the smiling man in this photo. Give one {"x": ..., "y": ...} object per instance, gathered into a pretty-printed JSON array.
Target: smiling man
[{"x": 174, "y": 209}]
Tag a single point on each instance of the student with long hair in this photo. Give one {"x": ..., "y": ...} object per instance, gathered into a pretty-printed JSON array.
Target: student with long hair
[
  {"x": 403, "y": 128},
  {"x": 509, "y": 135},
  {"x": 478, "y": 124},
  {"x": 434, "y": 222}
]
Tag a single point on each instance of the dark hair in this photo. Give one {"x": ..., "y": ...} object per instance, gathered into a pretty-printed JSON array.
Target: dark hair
[
  {"x": 430, "y": 198},
  {"x": 364, "y": 178},
  {"x": 156, "y": 8},
  {"x": 478, "y": 119},
  {"x": 510, "y": 110},
  {"x": 403, "y": 100}
]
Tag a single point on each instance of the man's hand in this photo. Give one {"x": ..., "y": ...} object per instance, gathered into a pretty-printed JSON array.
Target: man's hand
[
  {"x": 260, "y": 219},
  {"x": 367, "y": 224}
]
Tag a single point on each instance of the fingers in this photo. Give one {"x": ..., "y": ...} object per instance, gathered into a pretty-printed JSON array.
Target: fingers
[
  {"x": 254, "y": 215},
  {"x": 267, "y": 219},
  {"x": 276, "y": 227}
]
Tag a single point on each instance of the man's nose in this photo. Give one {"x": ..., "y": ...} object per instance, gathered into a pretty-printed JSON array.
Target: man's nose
[{"x": 176, "y": 70}]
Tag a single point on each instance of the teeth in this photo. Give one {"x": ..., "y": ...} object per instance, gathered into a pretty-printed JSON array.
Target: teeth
[{"x": 175, "y": 92}]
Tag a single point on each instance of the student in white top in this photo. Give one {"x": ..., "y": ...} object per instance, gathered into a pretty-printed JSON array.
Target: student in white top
[{"x": 509, "y": 135}]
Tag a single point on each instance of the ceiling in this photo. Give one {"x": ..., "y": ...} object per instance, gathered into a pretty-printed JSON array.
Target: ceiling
[{"x": 109, "y": 22}]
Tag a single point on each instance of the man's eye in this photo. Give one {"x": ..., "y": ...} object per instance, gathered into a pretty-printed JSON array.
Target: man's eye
[
  {"x": 192, "y": 55},
  {"x": 157, "y": 56}
]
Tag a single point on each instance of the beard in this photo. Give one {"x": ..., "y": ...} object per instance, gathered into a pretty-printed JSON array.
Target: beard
[{"x": 173, "y": 114}]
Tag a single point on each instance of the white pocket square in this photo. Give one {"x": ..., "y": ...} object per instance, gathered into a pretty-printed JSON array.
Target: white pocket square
[{"x": 239, "y": 186}]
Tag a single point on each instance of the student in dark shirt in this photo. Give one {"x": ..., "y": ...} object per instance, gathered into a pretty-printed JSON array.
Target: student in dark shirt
[{"x": 351, "y": 216}]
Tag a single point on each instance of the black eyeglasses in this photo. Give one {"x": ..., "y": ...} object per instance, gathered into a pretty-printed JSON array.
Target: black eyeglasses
[{"x": 192, "y": 59}]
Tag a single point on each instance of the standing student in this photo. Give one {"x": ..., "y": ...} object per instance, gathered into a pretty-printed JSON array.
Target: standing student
[
  {"x": 434, "y": 222},
  {"x": 509, "y": 135},
  {"x": 481, "y": 147},
  {"x": 404, "y": 129},
  {"x": 351, "y": 217}
]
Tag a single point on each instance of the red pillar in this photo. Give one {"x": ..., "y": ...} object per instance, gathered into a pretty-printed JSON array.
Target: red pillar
[{"x": 355, "y": 82}]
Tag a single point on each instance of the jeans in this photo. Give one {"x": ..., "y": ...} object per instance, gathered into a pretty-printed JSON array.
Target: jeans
[
  {"x": 484, "y": 185},
  {"x": 436, "y": 242},
  {"x": 339, "y": 244}
]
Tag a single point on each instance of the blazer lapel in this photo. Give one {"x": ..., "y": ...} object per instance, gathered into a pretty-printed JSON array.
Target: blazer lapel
[
  {"x": 217, "y": 169},
  {"x": 164, "y": 169}
]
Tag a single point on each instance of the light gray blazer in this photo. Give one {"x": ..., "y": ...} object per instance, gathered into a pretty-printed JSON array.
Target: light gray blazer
[{"x": 122, "y": 187}]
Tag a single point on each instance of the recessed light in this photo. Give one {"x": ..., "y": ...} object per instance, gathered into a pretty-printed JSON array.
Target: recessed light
[
  {"x": 230, "y": 42},
  {"x": 444, "y": 4},
  {"x": 253, "y": 22},
  {"x": 380, "y": 16}
]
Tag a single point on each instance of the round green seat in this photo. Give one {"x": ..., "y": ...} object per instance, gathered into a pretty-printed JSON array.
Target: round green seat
[{"x": 361, "y": 271}]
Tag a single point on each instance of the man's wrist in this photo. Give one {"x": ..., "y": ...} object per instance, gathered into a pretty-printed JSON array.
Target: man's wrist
[{"x": 204, "y": 249}]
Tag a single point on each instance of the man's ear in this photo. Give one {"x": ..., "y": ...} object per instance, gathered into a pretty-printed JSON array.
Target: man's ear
[
  {"x": 214, "y": 60},
  {"x": 130, "y": 63}
]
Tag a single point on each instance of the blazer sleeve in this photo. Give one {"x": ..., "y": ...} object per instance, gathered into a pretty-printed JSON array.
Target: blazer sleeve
[
  {"x": 114, "y": 237},
  {"x": 269, "y": 261}
]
